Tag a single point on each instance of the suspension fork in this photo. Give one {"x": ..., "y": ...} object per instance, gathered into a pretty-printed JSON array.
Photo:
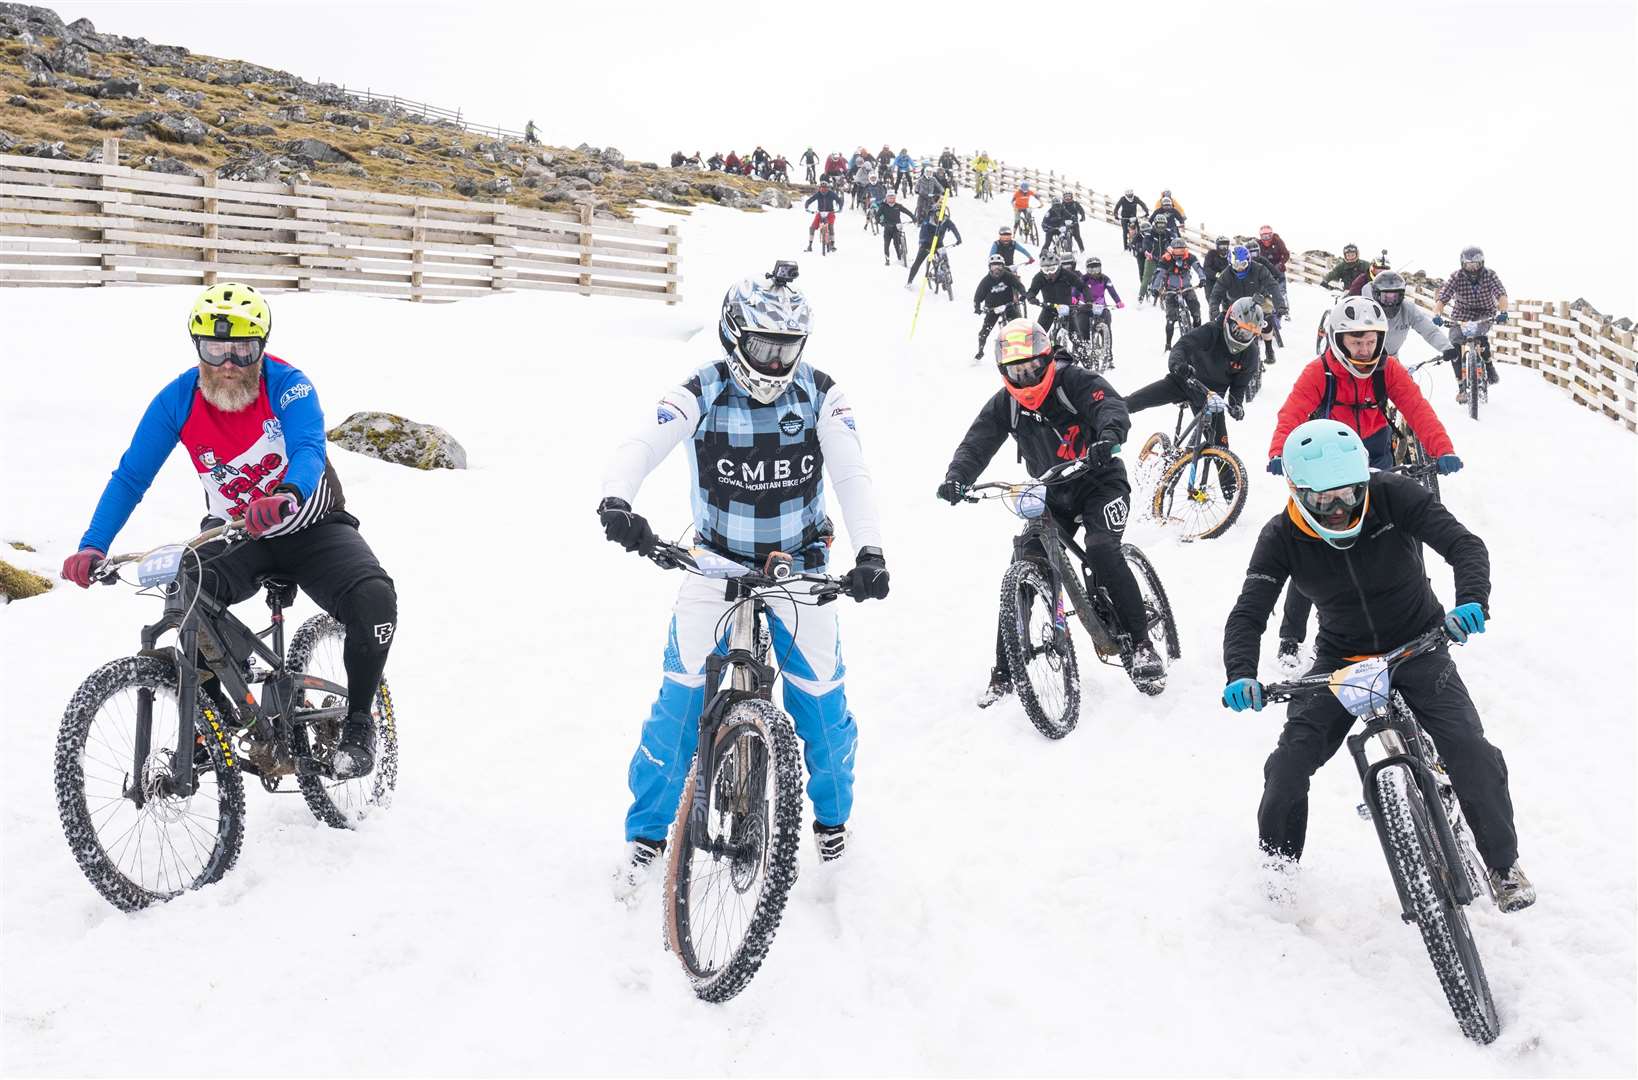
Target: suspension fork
[{"x": 747, "y": 678}]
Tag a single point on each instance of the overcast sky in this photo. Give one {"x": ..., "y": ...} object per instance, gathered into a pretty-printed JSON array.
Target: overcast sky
[{"x": 1418, "y": 127}]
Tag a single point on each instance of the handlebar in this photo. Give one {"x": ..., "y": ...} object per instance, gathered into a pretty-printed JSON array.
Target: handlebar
[
  {"x": 108, "y": 570},
  {"x": 776, "y": 571},
  {"x": 1308, "y": 684}
]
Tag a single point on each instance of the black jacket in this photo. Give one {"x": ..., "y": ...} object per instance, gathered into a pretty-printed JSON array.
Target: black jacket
[
  {"x": 1372, "y": 597},
  {"x": 998, "y": 292},
  {"x": 1166, "y": 220},
  {"x": 942, "y": 229},
  {"x": 1214, "y": 264},
  {"x": 891, "y": 212},
  {"x": 1080, "y": 409},
  {"x": 1062, "y": 216},
  {"x": 1204, "y": 354},
  {"x": 1053, "y": 290},
  {"x": 1128, "y": 207},
  {"x": 1231, "y": 287},
  {"x": 829, "y": 201}
]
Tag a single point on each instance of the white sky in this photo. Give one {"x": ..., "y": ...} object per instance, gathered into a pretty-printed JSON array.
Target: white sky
[{"x": 1361, "y": 146}]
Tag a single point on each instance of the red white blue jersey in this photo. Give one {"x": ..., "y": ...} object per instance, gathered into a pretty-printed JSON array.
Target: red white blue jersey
[{"x": 277, "y": 442}]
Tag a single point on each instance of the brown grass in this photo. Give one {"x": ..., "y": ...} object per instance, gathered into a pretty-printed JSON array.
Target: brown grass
[{"x": 19, "y": 584}]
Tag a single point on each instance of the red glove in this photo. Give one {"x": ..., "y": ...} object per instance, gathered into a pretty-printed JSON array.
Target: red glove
[
  {"x": 269, "y": 512},
  {"x": 78, "y": 566},
  {"x": 1121, "y": 304}
]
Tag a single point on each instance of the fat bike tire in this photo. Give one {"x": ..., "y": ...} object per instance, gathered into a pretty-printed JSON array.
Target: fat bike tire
[
  {"x": 1040, "y": 652},
  {"x": 1204, "y": 515},
  {"x": 741, "y": 896},
  {"x": 1157, "y": 605},
  {"x": 340, "y": 804}
]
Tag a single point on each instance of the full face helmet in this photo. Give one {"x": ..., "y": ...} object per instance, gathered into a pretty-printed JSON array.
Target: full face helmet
[
  {"x": 1357, "y": 315},
  {"x": 1389, "y": 287},
  {"x": 1023, "y": 355},
  {"x": 764, "y": 329},
  {"x": 1473, "y": 259},
  {"x": 1242, "y": 324}
]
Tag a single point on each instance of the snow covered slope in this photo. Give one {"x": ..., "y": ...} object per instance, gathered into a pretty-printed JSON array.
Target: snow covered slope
[{"x": 1011, "y": 905}]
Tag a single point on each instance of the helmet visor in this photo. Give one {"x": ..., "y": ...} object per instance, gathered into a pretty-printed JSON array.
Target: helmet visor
[
  {"x": 240, "y": 352},
  {"x": 1391, "y": 299},
  {"x": 773, "y": 354},
  {"x": 1242, "y": 333},
  {"x": 1026, "y": 372},
  {"x": 1337, "y": 509}
]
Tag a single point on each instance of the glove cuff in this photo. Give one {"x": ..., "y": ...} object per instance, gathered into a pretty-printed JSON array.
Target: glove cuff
[
  {"x": 612, "y": 503},
  {"x": 870, "y": 555}
]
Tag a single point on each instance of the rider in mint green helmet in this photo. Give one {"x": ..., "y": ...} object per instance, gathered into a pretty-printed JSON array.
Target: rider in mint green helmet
[{"x": 1329, "y": 471}]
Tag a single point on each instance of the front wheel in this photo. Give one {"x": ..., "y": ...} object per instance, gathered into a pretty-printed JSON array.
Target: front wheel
[
  {"x": 1474, "y": 377},
  {"x": 725, "y": 891},
  {"x": 138, "y": 855},
  {"x": 1416, "y": 860},
  {"x": 316, "y": 650},
  {"x": 1202, "y": 492},
  {"x": 1040, "y": 652}
]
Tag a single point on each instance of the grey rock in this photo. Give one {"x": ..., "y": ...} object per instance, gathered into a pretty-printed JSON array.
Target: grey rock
[
  {"x": 587, "y": 148},
  {"x": 293, "y": 113},
  {"x": 610, "y": 156},
  {"x": 453, "y": 150},
  {"x": 19, "y": 101},
  {"x": 251, "y": 131},
  {"x": 108, "y": 121},
  {"x": 579, "y": 183},
  {"x": 679, "y": 187},
  {"x": 318, "y": 150},
  {"x": 6, "y": 142},
  {"x": 404, "y": 138},
  {"x": 389, "y": 151},
  {"x": 69, "y": 58},
  {"x": 118, "y": 87},
  {"x": 546, "y": 157},
  {"x": 403, "y": 442},
  {"x": 772, "y": 196},
  {"x": 422, "y": 185},
  {"x": 41, "y": 22},
  {"x": 192, "y": 99},
  {"x": 348, "y": 120},
  {"x": 349, "y": 169},
  {"x": 466, "y": 186},
  {"x": 499, "y": 186},
  {"x": 162, "y": 164},
  {"x": 179, "y": 128},
  {"x": 43, "y": 149},
  {"x": 260, "y": 167}
]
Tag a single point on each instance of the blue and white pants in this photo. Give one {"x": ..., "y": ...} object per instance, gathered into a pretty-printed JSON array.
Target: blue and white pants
[{"x": 806, "y": 649}]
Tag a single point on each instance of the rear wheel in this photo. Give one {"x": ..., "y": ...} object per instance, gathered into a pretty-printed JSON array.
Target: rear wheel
[
  {"x": 1202, "y": 492},
  {"x": 1418, "y": 864},
  {"x": 316, "y": 650},
  {"x": 1040, "y": 653},
  {"x": 1157, "y": 606},
  {"x": 135, "y": 856},
  {"x": 724, "y": 898},
  {"x": 1098, "y": 352}
]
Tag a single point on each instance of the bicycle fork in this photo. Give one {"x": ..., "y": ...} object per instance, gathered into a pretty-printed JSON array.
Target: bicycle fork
[{"x": 748, "y": 677}]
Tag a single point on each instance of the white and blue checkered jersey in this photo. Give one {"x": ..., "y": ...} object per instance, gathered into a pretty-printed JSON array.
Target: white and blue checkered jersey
[{"x": 758, "y": 470}]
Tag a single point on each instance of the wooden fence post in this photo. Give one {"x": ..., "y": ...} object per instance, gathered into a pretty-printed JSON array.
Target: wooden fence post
[
  {"x": 110, "y": 156},
  {"x": 303, "y": 282},
  {"x": 671, "y": 263},
  {"x": 210, "y": 233},
  {"x": 585, "y": 246},
  {"x": 418, "y": 251}
]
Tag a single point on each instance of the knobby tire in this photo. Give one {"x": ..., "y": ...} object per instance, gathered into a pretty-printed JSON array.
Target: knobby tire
[
  {"x": 1044, "y": 673},
  {"x": 1172, "y": 496},
  {"x": 340, "y": 804}
]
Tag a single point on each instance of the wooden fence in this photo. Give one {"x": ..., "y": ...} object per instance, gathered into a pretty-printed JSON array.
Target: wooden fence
[
  {"x": 66, "y": 223},
  {"x": 1576, "y": 349},
  {"x": 368, "y": 100}
]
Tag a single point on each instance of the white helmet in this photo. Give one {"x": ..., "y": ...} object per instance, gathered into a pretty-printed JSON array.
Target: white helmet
[
  {"x": 1357, "y": 315},
  {"x": 763, "y": 330}
]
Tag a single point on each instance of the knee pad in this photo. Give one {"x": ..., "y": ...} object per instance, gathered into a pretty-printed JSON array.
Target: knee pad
[{"x": 372, "y": 605}]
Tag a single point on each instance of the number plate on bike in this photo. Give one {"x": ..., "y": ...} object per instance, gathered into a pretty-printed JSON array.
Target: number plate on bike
[
  {"x": 161, "y": 565},
  {"x": 1363, "y": 686},
  {"x": 710, "y": 564},
  {"x": 1027, "y": 502}
]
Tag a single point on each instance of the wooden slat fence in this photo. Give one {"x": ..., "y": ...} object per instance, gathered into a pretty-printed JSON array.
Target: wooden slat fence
[
  {"x": 1576, "y": 349},
  {"x": 68, "y": 223}
]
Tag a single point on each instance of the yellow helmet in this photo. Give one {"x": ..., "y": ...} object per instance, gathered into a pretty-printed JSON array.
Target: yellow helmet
[{"x": 230, "y": 310}]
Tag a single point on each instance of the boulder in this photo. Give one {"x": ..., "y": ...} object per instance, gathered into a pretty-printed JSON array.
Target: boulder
[
  {"x": 421, "y": 185},
  {"x": 772, "y": 196},
  {"x": 6, "y": 142},
  {"x": 26, "y": 18},
  {"x": 499, "y": 186},
  {"x": 349, "y": 169},
  {"x": 162, "y": 164},
  {"x": 347, "y": 120},
  {"x": 69, "y": 58},
  {"x": 19, "y": 101},
  {"x": 587, "y": 148},
  {"x": 251, "y": 131},
  {"x": 192, "y": 99},
  {"x": 546, "y": 157},
  {"x": 260, "y": 167},
  {"x": 118, "y": 87},
  {"x": 610, "y": 156},
  {"x": 388, "y": 151},
  {"x": 178, "y": 128},
  {"x": 318, "y": 150},
  {"x": 404, "y": 138},
  {"x": 466, "y": 186},
  {"x": 579, "y": 183},
  {"x": 538, "y": 173},
  {"x": 403, "y": 442},
  {"x": 293, "y": 113},
  {"x": 43, "y": 149}
]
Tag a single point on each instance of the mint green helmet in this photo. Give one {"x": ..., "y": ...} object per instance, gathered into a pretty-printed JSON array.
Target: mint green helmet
[{"x": 1329, "y": 472}]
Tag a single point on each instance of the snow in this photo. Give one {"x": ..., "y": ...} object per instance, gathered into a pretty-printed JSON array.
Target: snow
[{"x": 1009, "y": 904}]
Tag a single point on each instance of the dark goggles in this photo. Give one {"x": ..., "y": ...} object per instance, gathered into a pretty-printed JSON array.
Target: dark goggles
[
  {"x": 1022, "y": 373},
  {"x": 240, "y": 352},
  {"x": 773, "y": 354},
  {"x": 1390, "y": 299},
  {"x": 1334, "y": 507}
]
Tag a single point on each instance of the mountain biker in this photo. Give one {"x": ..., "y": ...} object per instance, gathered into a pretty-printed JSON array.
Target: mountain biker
[
  {"x": 1021, "y": 200},
  {"x": 930, "y": 187},
  {"x": 1389, "y": 289},
  {"x": 1352, "y": 382},
  {"x": 762, "y": 423},
  {"x": 1219, "y": 356},
  {"x": 1276, "y": 255},
  {"x": 731, "y": 162},
  {"x": 1167, "y": 218},
  {"x": 1064, "y": 217},
  {"x": 892, "y": 214},
  {"x": 933, "y": 227},
  {"x": 829, "y": 203},
  {"x": 1140, "y": 249},
  {"x": 982, "y": 165},
  {"x": 1057, "y": 412},
  {"x": 254, "y": 432},
  {"x": 903, "y": 166},
  {"x": 1356, "y": 287},
  {"x": 1349, "y": 538},
  {"x": 714, "y": 162},
  {"x": 1156, "y": 242},
  {"x": 884, "y": 164},
  {"x": 1052, "y": 288},
  {"x": 947, "y": 162},
  {"x": 759, "y": 159},
  {"x": 1006, "y": 247},
  {"x": 835, "y": 169},
  {"x": 1095, "y": 287},
  {"x": 1170, "y": 203},
  {"x": 1245, "y": 276},
  {"x": 810, "y": 162},
  {"x": 1217, "y": 259},
  {"x": 1478, "y": 293},
  {"x": 864, "y": 178},
  {"x": 996, "y": 298},
  {"x": 1177, "y": 270},
  {"x": 1347, "y": 268},
  {"x": 780, "y": 170},
  {"x": 1127, "y": 209}
]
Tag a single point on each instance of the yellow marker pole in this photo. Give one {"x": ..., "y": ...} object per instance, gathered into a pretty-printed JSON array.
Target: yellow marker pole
[{"x": 939, "y": 215}]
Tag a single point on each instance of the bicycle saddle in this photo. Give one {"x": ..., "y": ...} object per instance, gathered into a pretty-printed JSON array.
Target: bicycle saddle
[{"x": 280, "y": 590}]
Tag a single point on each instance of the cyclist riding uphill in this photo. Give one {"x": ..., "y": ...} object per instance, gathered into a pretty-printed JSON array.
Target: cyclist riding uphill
[
  {"x": 1349, "y": 539},
  {"x": 252, "y": 427},
  {"x": 1058, "y": 411},
  {"x": 761, "y": 424}
]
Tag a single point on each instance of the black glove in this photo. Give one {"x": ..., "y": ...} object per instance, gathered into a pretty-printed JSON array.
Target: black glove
[
  {"x": 976, "y": 310},
  {"x": 625, "y": 528},
  {"x": 868, "y": 578},
  {"x": 951, "y": 491},
  {"x": 1238, "y": 412},
  {"x": 1451, "y": 353},
  {"x": 1100, "y": 453}
]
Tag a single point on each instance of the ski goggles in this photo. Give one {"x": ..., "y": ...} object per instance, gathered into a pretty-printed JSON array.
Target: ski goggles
[
  {"x": 1334, "y": 506},
  {"x": 1390, "y": 299},
  {"x": 1244, "y": 333},
  {"x": 240, "y": 352},
  {"x": 773, "y": 354},
  {"x": 1023, "y": 373}
]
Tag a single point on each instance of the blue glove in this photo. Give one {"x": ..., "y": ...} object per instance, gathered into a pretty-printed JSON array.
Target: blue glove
[
  {"x": 1276, "y": 467},
  {"x": 1438, "y": 320},
  {"x": 1464, "y": 619},
  {"x": 1501, "y": 316},
  {"x": 1243, "y": 694},
  {"x": 1449, "y": 463}
]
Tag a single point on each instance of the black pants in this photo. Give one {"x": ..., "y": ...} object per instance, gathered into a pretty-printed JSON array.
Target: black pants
[
  {"x": 1047, "y": 316},
  {"x": 335, "y": 567},
  {"x": 1317, "y": 724},
  {"x": 1081, "y": 319},
  {"x": 1188, "y": 299},
  {"x": 1294, "y": 620},
  {"x": 921, "y": 257},
  {"x": 887, "y": 240},
  {"x": 993, "y": 316},
  {"x": 1171, "y": 390},
  {"x": 1456, "y": 340},
  {"x": 1102, "y": 506}
]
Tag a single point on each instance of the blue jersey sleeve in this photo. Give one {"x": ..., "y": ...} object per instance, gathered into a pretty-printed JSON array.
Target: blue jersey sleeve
[
  {"x": 156, "y": 436},
  {"x": 296, "y": 405}
]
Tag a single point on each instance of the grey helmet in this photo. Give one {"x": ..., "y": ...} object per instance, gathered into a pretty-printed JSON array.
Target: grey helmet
[
  {"x": 1243, "y": 324},
  {"x": 1389, "y": 289},
  {"x": 1222, "y": 243},
  {"x": 1473, "y": 253},
  {"x": 763, "y": 330}
]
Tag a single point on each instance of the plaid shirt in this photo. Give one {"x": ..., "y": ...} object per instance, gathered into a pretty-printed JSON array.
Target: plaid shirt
[{"x": 1472, "y": 298}]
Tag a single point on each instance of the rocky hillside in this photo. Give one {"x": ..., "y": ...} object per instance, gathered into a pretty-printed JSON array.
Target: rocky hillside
[{"x": 63, "y": 88}]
